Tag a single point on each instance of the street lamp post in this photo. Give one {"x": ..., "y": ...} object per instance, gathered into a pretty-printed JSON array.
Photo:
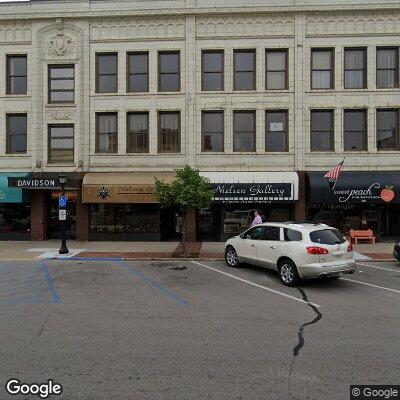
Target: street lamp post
[
  {"x": 331, "y": 183},
  {"x": 63, "y": 250}
]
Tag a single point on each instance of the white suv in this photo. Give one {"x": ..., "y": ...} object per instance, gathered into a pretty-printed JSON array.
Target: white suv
[{"x": 294, "y": 250}]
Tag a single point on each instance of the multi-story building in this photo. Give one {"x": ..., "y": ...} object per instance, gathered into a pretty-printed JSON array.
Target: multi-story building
[{"x": 262, "y": 96}]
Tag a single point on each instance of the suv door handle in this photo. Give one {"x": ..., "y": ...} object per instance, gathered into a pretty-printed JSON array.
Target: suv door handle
[
  {"x": 253, "y": 245},
  {"x": 273, "y": 247}
]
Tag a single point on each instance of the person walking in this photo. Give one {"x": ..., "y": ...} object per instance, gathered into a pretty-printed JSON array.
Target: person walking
[{"x": 257, "y": 219}]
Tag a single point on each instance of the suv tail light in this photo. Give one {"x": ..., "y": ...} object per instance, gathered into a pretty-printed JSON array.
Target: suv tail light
[
  {"x": 350, "y": 247},
  {"x": 316, "y": 250}
]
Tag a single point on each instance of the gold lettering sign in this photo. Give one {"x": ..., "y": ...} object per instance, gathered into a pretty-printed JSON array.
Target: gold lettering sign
[{"x": 118, "y": 194}]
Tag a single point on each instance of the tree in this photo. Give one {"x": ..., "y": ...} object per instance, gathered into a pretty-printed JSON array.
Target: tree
[{"x": 189, "y": 190}]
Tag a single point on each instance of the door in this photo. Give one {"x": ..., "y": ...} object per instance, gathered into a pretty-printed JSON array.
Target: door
[
  {"x": 54, "y": 225},
  {"x": 247, "y": 246},
  {"x": 268, "y": 246}
]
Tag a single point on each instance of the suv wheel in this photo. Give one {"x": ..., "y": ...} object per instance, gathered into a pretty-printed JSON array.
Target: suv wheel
[
  {"x": 231, "y": 257},
  {"x": 288, "y": 273}
]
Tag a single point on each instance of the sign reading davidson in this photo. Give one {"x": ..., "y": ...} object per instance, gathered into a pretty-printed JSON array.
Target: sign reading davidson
[{"x": 32, "y": 183}]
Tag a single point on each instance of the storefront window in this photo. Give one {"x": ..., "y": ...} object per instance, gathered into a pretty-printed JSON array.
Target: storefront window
[{"x": 15, "y": 220}]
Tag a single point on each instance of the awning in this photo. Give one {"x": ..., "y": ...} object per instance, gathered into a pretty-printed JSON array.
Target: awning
[
  {"x": 135, "y": 187},
  {"x": 257, "y": 187},
  {"x": 356, "y": 187},
  {"x": 12, "y": 195}
]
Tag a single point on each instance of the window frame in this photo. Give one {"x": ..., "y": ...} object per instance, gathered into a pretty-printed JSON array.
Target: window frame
[
  {"x": 203, "y": 112},
  {"x": 129, "y": 133},
  {"x": 332, "y": 139},
  {"x": 397, "y": 138},
  {"x": 128, "y": 73},
  {"x": 365, "y": 142},
  {"x": 8, "y": 136},
  {"x": 254, "y": 52},
  {"x": 49, "y": 80},
  {"x": 97, "y": 55},
  {"x": 365, "y": 67},
  {"x": 217, "y": 51},
  {"x": 162, "y": 112},
  {"x": 280, "y": 50},
  {"x": 396, "y": 84},
  {"x": 49, "y": 148},
  {"x": 97, "y": 133},
  {"x": 159, "y": 54},
  {"x": 332, "y": 51},
  {"x": 254, "y": 112},
  {"x": 8, "y": 76},
  {"x": 286, "y": 131}
]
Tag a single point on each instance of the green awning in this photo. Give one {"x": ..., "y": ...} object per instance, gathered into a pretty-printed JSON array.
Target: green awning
[{"x": 12, "y": 195}]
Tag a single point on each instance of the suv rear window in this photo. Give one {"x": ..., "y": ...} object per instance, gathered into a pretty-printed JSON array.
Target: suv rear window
[{"x": 327, "y": 236}]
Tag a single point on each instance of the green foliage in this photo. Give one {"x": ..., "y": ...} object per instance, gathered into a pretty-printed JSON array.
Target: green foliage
[{"x": 188, "y": 190}]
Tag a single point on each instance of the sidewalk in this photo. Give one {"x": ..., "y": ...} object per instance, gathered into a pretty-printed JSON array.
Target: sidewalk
[{"x": 48, "y": 249}]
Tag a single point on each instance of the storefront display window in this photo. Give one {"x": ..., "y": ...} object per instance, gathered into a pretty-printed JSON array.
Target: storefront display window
[{"x": 15, "y": 221}]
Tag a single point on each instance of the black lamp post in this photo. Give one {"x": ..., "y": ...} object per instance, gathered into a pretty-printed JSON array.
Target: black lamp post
[
  {"x": 63, "y": 250},
  {"x": 331, "y": 183}
]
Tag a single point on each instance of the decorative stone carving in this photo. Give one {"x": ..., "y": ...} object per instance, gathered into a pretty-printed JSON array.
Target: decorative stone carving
[
  {"x": 14, "y": 32},
  {"x": 60, "y": 45},
  {"x": 61, "y": 115}
]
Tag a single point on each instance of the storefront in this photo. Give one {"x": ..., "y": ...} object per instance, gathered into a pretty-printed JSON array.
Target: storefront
[
  {"x": 239, "y": 194},
  {"x": 123, "y": 207},
  {"x": 15, "y": 210},
  {"x": 361, "y": 200}
]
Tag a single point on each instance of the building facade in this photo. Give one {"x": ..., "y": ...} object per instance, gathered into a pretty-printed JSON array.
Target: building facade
[{"x": 261, "y": 96}]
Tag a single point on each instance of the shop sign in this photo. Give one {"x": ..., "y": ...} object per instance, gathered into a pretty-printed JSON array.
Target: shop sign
[
  {"x": 372, "y": 194},
  {"x": 32, "y": 183},
  {"x": 253, "y": 190},
  {"x": 119, "y": 194}
]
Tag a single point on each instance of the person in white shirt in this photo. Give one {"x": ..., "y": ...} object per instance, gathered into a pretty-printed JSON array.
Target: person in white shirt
[{"x": 257, "y": 219}]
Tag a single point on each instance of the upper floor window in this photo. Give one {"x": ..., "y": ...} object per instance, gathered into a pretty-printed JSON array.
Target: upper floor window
[
  {"x": 276, "y": 69},
  {"x": 16, "y": 133},
  {"x": 138, "y": 72},
  {"x": 244, "y": 70},
  {"x": 213, "y": 70},
  {"x": 355, "y": 130},
  {"x": 213, "y": 130},
  {"x": 322, "y": 68},
  {"x": 106, "y": 72},
  {"x": 244, "y": 131},
  {"x": 106, "y": 132},
  {"x": 16, "y": 74},
  {"x": 169, "y": 77},
  {"x": 355, "y": 68},
  {"x": 169, "y": 132},
  {"x": 276, "y": 131},
  {"x": 322, "y": 130},
  {"x": 387, "y": 129},
  {"x": 387, "y": 67},
  {"x": 61, "y": 84},
  {"x": 61, "y": 143},
  {"x": 138, "y": 132}
]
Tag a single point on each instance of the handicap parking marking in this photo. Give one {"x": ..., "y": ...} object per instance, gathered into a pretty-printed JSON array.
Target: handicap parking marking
[
  {"x": 50, "y": 283},
  {"x": 294, "y": 298},
  {"x": 376, "y": 267},
  {"x": 370, "y": 284}
]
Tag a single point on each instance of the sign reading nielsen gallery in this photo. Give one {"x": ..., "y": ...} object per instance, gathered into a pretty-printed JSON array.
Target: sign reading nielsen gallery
[{"x": 256, "y": 191}]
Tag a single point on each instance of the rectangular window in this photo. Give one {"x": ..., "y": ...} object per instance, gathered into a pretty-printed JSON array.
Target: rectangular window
[
  {"x": 138, "y": 132},
  {"x": 322, "y": 68},
  {"x": 213, "y": 130},
  {"x": 387, "y": 68},
  {"x": 106, "y": 132},
  {"x": 276, "y": 69},
  {"x": 61, "y": 143},
  {"x": 61, "y": 83},
  {"x": 322, "y": 132},
  {"x": 355, "y": 68},
  {"x": 138, "y": 72},
  {"x": 244, "y": 131},
  {"x": 169, "y": 132},
  {"x": 106, "y": 73},
  {"x": 16, "y": 127},
  {"x": 387, "y": 129},
  {"x": 244, "y": 70},
  {"x": 213, "y": 70},
  {"x": 16, "y": 74},
  {"x": 355, "y": 129},
  {"x": 276, "y": 131},
  {"x": 169, "y": 77}
]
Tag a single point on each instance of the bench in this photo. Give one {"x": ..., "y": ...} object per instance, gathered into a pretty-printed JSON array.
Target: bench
[{"x": 357, "y": 235}]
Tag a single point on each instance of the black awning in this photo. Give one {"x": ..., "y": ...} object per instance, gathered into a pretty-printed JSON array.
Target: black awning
[{"x": 356, "y": 187}]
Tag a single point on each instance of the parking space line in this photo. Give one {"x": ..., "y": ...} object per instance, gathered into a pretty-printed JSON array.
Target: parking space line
[
  {"x": 370, "y": 284},
  {"x": 376, "y": 267},
  {"x": 50, "y": 284},
  {"x": 256, "y": 284}
]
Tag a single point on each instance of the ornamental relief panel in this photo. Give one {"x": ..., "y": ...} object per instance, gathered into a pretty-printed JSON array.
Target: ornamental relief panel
[
  {"x": 135, "y": 28},
  {"x": 60, "y": 115},
  {"x": 14, "y": 32}
]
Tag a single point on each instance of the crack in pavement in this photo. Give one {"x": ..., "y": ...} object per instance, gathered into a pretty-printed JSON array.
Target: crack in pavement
[{"x": 300, "y": 344}]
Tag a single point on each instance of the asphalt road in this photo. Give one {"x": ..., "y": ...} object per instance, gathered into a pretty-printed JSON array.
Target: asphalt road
[{"x": 184, "y": 330}]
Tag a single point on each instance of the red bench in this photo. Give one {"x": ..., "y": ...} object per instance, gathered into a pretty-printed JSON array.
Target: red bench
[{"x": 357, "y": 235}]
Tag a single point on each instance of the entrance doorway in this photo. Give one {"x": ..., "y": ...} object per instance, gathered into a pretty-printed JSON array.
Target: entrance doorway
[{"x": 54, "y": 225}]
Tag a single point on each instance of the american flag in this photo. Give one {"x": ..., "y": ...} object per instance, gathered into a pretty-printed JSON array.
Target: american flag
[{"x": 333, "y": 173}]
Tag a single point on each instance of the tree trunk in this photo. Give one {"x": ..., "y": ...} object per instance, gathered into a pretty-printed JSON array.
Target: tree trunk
[{"x": 184, "y": 231}]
